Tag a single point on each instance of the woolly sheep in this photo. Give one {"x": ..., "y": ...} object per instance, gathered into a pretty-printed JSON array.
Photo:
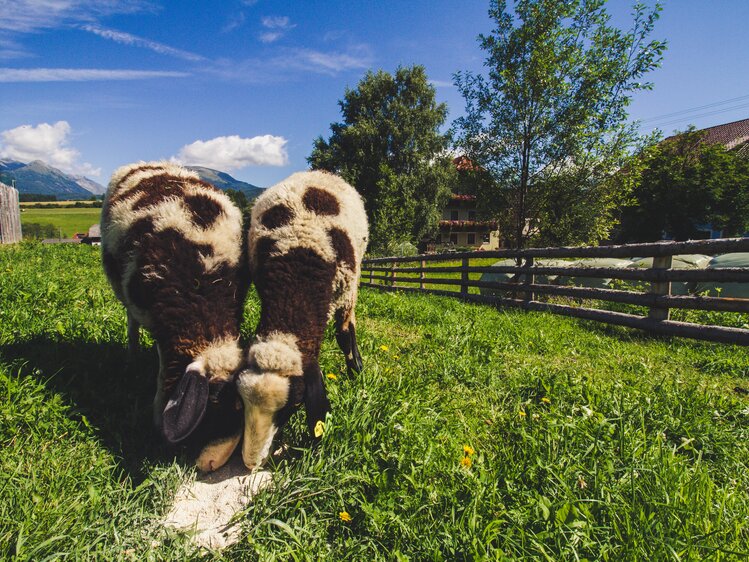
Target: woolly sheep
[
  {"x": 307, "y": 238},
  {"x": 172, "y": 250}
]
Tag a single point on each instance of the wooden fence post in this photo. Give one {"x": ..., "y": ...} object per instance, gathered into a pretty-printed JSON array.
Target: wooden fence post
[
  {"x": 660, "y": 288},
  {"x": 393, "y": 282},
  {"x": 421, "y": 274},
  {"x": 370, "y": 274},
  {"x": 464, "y": 278},
  {"x": 528, "y": 279}
]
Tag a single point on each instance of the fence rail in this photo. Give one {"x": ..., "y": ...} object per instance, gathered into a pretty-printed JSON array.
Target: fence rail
[{"x": 522, "y": 291}]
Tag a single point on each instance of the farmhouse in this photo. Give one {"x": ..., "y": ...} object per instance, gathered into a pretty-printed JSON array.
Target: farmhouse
[
  {"x": 734, "y": 136},
  {"x": 10, "y": 215}
]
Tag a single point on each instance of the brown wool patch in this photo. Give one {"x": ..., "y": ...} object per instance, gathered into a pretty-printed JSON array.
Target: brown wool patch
[
  {"x": 321, "y": 202},
  {"x": 276, "y": 217},
  {"x": 137, "y": 170},
  {"x": 203, "y": 210},
  {"x": 152, "y": 191},
  {"x": 344, "y": 251}
]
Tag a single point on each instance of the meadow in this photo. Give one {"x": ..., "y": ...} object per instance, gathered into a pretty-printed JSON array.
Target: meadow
[
  {"x": 473, "y": 433},
  {"x": 66, "y": 221}
]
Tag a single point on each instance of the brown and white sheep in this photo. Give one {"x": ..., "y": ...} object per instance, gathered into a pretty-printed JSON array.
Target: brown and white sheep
[
  {"x": 172, "y": 250},
  {"x": 306, "y": 242}
]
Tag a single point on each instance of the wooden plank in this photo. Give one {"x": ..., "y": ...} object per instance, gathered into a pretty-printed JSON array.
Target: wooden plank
[
  {"x": 528, "y": 278},
  {"x": 422, "y": 274},
  {"x": 654, "y": 249},
  {"x": 464, "y": 278},
  {"x": 720, "y": 304},
  {"x": 658, "y": 312},
  {"x": 719, "y": 334},
  {"x": 727, "y": 274}
]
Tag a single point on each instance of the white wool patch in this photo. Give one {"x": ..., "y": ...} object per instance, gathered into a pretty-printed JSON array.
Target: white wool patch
[
  {"x": 205, "y": 507},
  {"x": 277, "y": 352},
  {"x": 221, "y": 358}
]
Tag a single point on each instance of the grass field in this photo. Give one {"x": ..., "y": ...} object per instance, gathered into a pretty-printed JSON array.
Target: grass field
[
  {"x": 69, "y": 221},
  {"x": 472, "y": 434}
]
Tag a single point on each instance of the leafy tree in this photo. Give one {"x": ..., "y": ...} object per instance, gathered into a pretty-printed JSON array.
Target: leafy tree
[
  {"x": 390, "y": 148},
  {"x": 683, "y": 184},
  {"x": 549, "y": 122}
]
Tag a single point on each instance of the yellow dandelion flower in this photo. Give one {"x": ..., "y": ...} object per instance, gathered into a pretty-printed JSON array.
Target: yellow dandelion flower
[
  {"x": 332, "y": 376},
  {"x": 545, "y": 400},
  {"x": 396, "y": 357},
  {"x": 319, "y": 428},
  {"x": 384, "y": 348},
  {"x": 468, "y": 450},
  {"x": 466, "y": 461},
  {"x": 522, "y": 414},
  {"x": 344, "y": 515}
]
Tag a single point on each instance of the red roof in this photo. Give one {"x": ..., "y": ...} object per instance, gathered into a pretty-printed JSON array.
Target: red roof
[
  {"x": 729, "y": 134},
  {"x": 463, "y": 163}
]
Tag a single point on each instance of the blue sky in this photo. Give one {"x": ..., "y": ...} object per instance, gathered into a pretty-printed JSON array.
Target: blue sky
[{"x": 246, "y": 85}]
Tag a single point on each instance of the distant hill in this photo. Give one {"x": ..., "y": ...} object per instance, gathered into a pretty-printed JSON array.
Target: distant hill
[
  {"x": 224, "y": 181},
  {"x": 40, "y": 178}
]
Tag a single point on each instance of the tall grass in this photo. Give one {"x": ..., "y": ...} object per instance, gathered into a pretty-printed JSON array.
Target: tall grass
[{"x": 472, "y": 434}]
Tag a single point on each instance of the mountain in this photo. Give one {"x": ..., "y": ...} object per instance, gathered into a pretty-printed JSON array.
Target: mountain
[
  {"x": 90, "y": 185},
  {"x": 224, "y": 181},
  {"x": 38, "y": 177}
]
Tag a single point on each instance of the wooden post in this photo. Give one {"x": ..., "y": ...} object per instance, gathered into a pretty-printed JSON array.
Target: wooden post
[
  {"x": 464, "y": 278},
  {"x": 370, "y": 274},
  {"x": 393, "y": 282},
  {"x": 422, "y": 274},
  {"x": 528, "y": 279},
  {"x": 660, "y": 288}
]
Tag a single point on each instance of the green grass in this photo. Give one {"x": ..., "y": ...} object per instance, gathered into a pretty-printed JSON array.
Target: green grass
[
  {"x": 69, "y": 221},
  {"x": 590, "y": 442}
]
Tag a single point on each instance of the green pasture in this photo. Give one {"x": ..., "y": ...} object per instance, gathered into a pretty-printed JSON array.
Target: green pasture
[
  {"x": 69, "y": 221},
  {"x": 472, "y": 434}
]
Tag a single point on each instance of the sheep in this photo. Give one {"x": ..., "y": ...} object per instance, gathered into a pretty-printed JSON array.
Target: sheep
[
  {"x": 307, "y": 238},
  {"x": 172, "y": 251}
]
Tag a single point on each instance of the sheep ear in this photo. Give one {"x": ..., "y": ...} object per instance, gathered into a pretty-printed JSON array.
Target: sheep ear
[
  {"x": 186, "y": 406},
  {"x": 315, "y": 401}
]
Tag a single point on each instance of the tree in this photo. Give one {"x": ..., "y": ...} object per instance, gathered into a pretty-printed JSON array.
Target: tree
[
  {"x": 683, "y": 184},
  {"x": 549, "y": 122},
  {"x": 389, "y": 147}
]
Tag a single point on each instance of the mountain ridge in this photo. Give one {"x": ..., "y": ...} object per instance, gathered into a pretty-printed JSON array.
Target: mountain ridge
[{"x": 37, "y": 177}]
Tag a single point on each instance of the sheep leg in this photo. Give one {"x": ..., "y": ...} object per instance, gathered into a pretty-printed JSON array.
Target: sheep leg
[
  {"x": 133, "y": 336},
  {"x": 345, "y": 335}
]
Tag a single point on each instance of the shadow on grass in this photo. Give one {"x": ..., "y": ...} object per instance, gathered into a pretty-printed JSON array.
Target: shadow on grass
[{"x": 105, "y": 390}]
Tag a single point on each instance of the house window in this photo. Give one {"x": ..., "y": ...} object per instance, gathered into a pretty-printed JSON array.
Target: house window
[
  {"x": 471, "y": 239},
  {"x": 454, "y": 238},
  {"x": 471, "y": 215},
  {"x": 453, "y": 215}
]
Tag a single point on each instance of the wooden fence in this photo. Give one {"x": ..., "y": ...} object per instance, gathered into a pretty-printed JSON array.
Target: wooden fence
[
  {"x": 522, "y": 291},
  {"x": 10, "y": 215}
]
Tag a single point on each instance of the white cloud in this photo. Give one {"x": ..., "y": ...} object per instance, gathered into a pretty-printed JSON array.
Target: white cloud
[
  {"x": 235, "y": 21},
  {"x": 129, "y": 39},
  {"x": 49, "y": 143},
  {"x": 441, "y": 84},
  {"x": 234, "y": 152},
  {"x": 81, "y": 74},
  {"x": 289, "y": 64},
  {"x": 278, "y": 26},
  {"x": 24, "y": 16}
]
